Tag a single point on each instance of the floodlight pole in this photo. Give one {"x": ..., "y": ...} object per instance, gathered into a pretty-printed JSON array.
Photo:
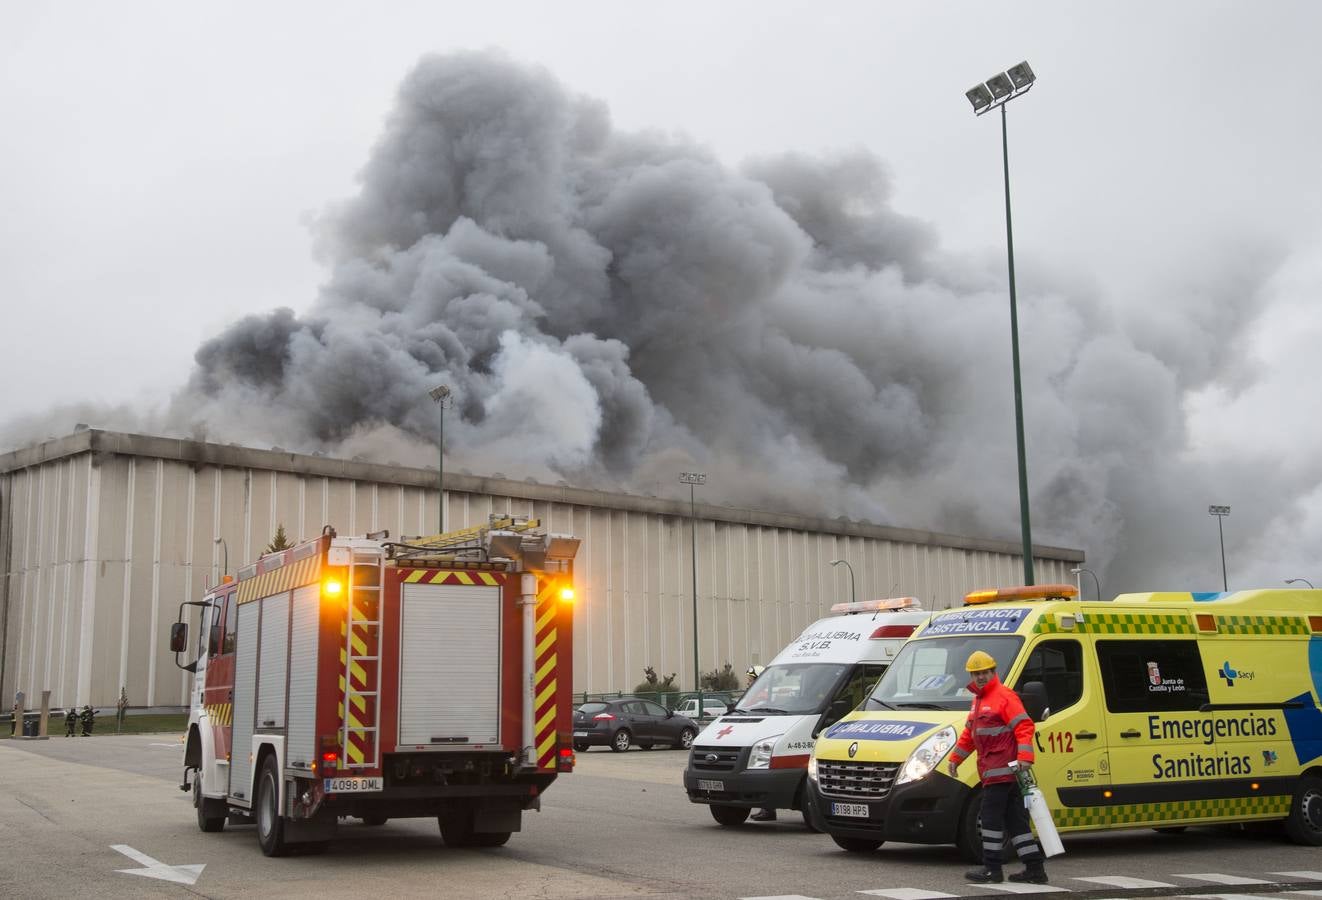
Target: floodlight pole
[
  {"x": 1025, "y": 528},
  {"x": 441, "y": 395},
  {"x": 691, "y": 479},
  {"x": 853, "y": 598},
  {"x": 1221, "y": 512}
]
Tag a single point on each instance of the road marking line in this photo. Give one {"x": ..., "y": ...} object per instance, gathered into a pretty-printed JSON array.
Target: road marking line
[
  {"x": 1014, "y": 887},
  {"x": 1124, "y": 881},
  {"x": 154, "y": 868},
  {"x": 908, "y": 894},
  {"x": 1219, "y": 878},
  {"x": 1310, "y": 876}
]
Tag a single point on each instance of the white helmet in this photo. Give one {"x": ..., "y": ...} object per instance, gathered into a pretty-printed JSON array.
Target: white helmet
[{"x": 755, "y": 671}]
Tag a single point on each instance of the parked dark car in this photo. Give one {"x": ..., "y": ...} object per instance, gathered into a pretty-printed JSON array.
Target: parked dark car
[{"x": 628, "y": 720}]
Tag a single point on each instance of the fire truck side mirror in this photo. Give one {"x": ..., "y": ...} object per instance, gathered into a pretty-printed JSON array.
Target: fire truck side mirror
[{"x": 179, "y": 637}]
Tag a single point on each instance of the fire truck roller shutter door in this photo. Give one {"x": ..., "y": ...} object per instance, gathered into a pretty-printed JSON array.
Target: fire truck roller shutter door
[{"x": 245, "y": 694}]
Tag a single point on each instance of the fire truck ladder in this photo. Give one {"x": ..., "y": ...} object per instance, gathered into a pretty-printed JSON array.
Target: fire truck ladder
[
  {"x": 456, "y": 543},
  {"x": 362, "y": 668}
]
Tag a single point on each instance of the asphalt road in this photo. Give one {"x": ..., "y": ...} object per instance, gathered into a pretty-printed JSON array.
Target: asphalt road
[{"x": 618, "y": 827}]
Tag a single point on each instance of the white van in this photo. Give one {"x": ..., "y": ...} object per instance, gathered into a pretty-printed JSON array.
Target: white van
[{"x": 756, "y": 755}]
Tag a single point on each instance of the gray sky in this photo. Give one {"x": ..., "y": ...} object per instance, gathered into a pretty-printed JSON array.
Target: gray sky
[{"x": 168, "y": 170}]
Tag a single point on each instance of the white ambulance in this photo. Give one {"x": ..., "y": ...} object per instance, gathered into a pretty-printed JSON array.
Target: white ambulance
[{"x": 756, "y": 755}]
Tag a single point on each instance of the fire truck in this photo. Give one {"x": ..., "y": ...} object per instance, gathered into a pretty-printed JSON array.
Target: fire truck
[{"x": 377, "y": 679}]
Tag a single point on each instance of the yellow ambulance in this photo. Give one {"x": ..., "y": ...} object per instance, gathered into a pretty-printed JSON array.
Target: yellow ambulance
[{"x": 1153, "y": 710}]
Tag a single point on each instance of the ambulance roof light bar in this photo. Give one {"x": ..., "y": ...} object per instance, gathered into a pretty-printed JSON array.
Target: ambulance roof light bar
[
  {"x": 1024, "y": 592},
  {"x": 892, "y": 604}
]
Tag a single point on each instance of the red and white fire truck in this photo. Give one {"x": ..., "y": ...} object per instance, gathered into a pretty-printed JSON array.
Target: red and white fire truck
[{"x": 359, "y": 676}]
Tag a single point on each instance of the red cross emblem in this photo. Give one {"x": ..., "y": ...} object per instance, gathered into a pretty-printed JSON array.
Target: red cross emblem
[{"x": 724, "y": 731}]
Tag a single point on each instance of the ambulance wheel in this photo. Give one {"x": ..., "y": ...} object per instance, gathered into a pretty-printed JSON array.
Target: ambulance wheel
[
  {"x": 1171, "y": 829},
  {"x": 1304, "y": 824},
  {"x": 621, "y": 741},
  {"x": 491, "y": 838},
  {"x": 375, "y": 821},
  {"x": 729, "y": 816},
  {"x": 205, "y": 822},
  {"x": 270, "y": 824},
  {"x": 805, "y": 809},
  {"x": 856, "y": 845},
  {"x": 686, "y": 739},
  {"x": 969, "y": 838}
]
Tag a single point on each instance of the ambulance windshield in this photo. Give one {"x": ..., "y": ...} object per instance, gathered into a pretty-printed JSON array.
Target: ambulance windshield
[
  {"x": 930, "y": 674},
  {"x": 793, "y": 689}
]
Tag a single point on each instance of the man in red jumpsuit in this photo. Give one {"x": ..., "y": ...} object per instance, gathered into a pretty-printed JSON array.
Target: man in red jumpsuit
[{"x": 1001, "y": 732}]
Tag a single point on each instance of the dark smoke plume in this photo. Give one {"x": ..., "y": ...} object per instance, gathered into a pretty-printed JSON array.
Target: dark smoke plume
[{"x": 609, "y": 308}]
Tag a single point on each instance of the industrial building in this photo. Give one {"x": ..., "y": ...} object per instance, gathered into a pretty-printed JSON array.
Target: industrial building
[{"x": 103, "y": 535}]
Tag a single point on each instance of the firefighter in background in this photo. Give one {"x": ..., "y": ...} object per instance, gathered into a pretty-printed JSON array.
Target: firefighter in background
[
  {"x": 88, "y": 716},
  {"x": 766, "y": 814},
  {"x": 70, "y": 721},
  {"x": 1001, "y": 732}
]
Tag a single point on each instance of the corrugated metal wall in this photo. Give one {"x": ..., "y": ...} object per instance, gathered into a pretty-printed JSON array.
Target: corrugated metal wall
[{"x": 103, "y": 535}]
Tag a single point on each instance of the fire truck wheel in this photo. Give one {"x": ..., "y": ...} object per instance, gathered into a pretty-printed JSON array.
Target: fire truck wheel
[
  {"x": 204, "y": 821},
  {"x": 1304, "y": 825},
  {"x": 686, "y": 739},
  {"x": 729, "y": 816},
  {"x": 457, "y": 828},
  {"x": 374, "y": 821},
  {"x": 491, "y": 838},
  {"x": 621, "y": 741},
  {"x": 270, "y": 824},
  {"x": 856, "y": 845}
]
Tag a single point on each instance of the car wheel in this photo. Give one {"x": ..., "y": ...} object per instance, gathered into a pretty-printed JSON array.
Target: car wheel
[
  {"x": 686, "y": 739},
  {"x": 645, "y": 746},
  {"x": 375, "y": 821},
  {"x": 729, "y": 816},
  {"x": 969, "y": 838},
  {"x": 205, "y": 822},
  {"x": 856, "y": 845},
  {"x": 621, "y": 741},
  {"x": 581, "y": 748},
  {"x": 270, "y": 824},
  {"x": 1304, "y": 824}
]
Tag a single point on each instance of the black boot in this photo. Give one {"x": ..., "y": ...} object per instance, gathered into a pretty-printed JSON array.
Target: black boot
[
  {"x": 1033, "y": 873},
  {"x": 985, "y": 875},
  {"x": 764, "y": 815}
]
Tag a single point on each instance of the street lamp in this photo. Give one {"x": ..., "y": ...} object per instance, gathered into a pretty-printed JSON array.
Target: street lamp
[
  {"x": 226, "y": 547},
  {"x": 1078, "y": 571},
  {"x": 1298, "y": 580},
  {"x": 845, "y": 562},
  {"x": 1221, "y": 512},
  {"x": 997, "y": 91},
  {"x": 692, "y": 479},
  {"x": 441, "y": 394}
]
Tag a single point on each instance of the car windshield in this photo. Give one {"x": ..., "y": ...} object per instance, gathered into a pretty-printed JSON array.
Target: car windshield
[
  {"x": 930, "y": 674},
  {"x": 794, "y": 689}
]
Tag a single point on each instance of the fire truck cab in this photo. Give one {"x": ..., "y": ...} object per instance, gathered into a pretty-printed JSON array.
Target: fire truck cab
[{"x": 358, "y": 676}]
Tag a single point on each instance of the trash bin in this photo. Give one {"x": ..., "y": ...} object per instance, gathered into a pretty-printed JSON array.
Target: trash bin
[{"x": 30, "y": 724}]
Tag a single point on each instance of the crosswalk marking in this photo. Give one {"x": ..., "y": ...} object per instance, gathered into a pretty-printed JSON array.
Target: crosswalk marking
[
  {"x": 1219, "y": 878},
  {"x": 1124, "y": 881},
  {"x": 1121, "y": 882},
  {"x": 1014, "y": 887}
]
